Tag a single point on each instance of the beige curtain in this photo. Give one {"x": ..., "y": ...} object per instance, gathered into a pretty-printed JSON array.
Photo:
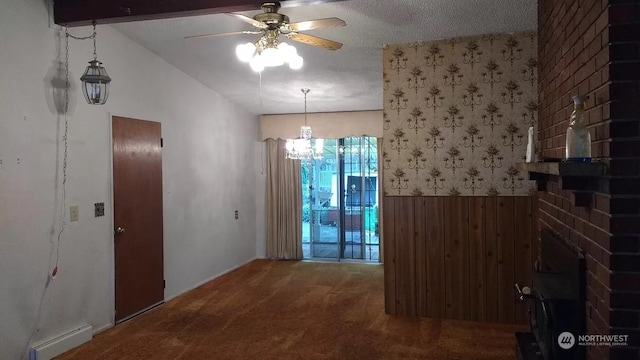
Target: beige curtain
[
  {"x": 380, "y": 200},
  {"x": 284, "y": 203}
]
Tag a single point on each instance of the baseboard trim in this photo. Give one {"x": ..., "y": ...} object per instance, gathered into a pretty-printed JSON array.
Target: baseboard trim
[
  {"x": 169, "y": 298},
  {"x": 53, "y": 347},
  {"x": 102, "y": 328}
]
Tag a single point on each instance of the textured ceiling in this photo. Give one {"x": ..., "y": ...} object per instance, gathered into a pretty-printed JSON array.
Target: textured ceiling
[{"x": 349, "y": 79}]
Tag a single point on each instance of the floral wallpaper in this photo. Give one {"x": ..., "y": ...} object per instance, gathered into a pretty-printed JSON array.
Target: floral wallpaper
[{"x": 457, "y": 114}]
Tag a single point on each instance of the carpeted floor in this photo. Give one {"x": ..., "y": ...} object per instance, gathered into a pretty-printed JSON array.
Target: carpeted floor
[{"x": 294, "y": 310}]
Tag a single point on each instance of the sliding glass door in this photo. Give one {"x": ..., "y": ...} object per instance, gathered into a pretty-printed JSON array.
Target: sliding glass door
[{"x": 340, "y": 209}]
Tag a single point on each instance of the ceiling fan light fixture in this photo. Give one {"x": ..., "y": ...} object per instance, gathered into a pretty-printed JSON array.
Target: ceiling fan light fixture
[
  {"x": 295, "y": 63},
  {"x": 291, "y": 56},
  {"x": 272, "y": 57},
  {"x": 268, "y": 51},
  {"x": 256, "y": 64},
  {"x": 246, "y": 51},
  {"x": 287, "y": 50},
  {"x": 260, "y": 56}
]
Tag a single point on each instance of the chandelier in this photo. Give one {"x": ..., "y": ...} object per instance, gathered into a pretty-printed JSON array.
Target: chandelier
[
  {"x": 300, "y": 148},
  {"x": 269, "y": 52}
]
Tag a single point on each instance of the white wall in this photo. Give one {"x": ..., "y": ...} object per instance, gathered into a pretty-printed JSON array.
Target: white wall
[
  {"x": 261, "y": 200},
  {"x": 209, "y": 170}
]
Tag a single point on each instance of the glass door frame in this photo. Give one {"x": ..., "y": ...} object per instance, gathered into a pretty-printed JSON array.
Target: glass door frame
[{"x": 321, "y": 212}]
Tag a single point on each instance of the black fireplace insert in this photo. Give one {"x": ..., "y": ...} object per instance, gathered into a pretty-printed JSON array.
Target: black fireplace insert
[{"x": 556, "y": 303}]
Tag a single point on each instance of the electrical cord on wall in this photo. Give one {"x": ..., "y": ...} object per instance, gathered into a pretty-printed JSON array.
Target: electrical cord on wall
[
  {"x": 65, "y": 142},
  {"x": 53, "y": 272},
  {"x": 63, "y": 198},
  {"x": 65, "y": 146}
]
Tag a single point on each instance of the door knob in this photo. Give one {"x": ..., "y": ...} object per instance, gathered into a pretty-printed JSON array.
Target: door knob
[{"x": 119, "y": 230}]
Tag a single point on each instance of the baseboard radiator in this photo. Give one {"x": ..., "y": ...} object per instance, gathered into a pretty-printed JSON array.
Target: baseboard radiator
[{"x": 63, "y": 343}]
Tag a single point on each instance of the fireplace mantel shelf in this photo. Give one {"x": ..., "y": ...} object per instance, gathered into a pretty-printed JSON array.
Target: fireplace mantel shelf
[
  {"x": 582, "y": 178},
  {"x": 564, "y": 168}
]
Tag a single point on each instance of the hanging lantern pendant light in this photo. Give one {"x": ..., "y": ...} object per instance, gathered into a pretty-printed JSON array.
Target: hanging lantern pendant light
[{"x": 95, "y": 80}]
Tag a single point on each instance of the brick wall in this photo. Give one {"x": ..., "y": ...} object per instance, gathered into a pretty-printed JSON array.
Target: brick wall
[{"x": 592, "y": 47}]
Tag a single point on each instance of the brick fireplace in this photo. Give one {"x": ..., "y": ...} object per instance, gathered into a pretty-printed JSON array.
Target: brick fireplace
[{"x": 592, "y": 47}]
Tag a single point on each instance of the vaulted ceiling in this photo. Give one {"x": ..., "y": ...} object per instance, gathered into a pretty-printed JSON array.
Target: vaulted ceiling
[{"x": 349, "y": 79}]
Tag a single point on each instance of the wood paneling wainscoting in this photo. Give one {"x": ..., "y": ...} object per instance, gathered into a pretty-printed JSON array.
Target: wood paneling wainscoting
[{"x": 458, "y": 257}]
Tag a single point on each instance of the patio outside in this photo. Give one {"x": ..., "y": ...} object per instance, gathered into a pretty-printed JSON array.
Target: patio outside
[{"x": 340, "y": 194}]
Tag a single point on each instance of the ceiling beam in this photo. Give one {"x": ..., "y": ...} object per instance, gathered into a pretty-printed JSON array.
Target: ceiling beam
[{"x": 84, "y": 12}]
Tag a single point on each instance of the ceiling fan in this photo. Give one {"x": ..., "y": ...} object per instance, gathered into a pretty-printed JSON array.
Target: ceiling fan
[{"x": 271, "y": 24}]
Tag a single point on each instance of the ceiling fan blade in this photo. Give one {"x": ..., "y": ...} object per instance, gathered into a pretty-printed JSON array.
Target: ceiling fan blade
[
  {"x": 315, "y": 41},
  {"x": 223, "y": 34},
  {"x": 327, "y": 23},
  {"x": 249, "y": 20},
  {"x": 294, "y": 3}
]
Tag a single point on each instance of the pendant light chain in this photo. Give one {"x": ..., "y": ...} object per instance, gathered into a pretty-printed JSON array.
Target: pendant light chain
[
  {"x": 305, "y": 92},
  {"x": 66, "y": 72},
  {"x": 94, "y": 35}
]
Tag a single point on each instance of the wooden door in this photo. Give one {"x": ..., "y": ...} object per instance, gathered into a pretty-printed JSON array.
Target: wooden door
[{"x": 137, "y": 212}]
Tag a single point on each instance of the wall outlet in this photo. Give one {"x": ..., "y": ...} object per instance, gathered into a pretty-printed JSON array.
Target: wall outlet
[
  {"x": 236, "y": 214},
  {"x": 73, "y": 213}
]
